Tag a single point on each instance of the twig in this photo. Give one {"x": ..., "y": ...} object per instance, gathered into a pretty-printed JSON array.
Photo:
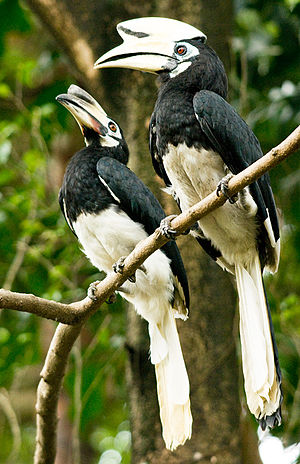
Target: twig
[
  {"x": 8, "y": 410},
  {"x": 65, "y": 336}
]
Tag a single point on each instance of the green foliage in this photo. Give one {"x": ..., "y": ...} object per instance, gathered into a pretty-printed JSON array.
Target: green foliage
[{"x": 39, "y": 253}]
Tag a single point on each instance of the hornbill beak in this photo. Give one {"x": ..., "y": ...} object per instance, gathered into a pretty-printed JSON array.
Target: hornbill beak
[
  {"x": 148, "y": 44},
  {"x": 85, "y": 109}
]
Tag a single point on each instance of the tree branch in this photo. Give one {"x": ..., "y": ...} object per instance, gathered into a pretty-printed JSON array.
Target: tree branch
[
  {"x": 77, "y": 312},
  {"x": 65, "y": 336},
  {"x": 63, "y": 27},
  {"x": 49, "y": 389}
]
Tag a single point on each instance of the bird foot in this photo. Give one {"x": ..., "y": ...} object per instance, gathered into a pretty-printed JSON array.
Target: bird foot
[
  {"x": 166, "y": 229},
  {"x": 223, "y": 187},
  {"x": 118, "y": 268},
  {"x": 91, "y": 293}
]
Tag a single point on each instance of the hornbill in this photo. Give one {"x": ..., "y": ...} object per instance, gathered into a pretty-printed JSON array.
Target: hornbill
[
  {"x": 197, "y": 141},
  {"x": 110, "y": 210}
]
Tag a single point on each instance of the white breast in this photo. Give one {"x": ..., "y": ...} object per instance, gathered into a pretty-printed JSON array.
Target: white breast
[
  {"x": 110, "y": 234},
  {"x": 107, "y": 235},
  {"x": 195, "y": 173}
]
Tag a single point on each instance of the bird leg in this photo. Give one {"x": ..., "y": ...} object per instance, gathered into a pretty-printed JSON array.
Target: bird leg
[
  {"x": 166, "y": 229},
  {"x": 118, "y": 267},
  {"x": 223, "y": 187}
]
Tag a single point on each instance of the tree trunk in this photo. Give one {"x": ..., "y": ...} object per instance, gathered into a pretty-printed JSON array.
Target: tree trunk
[{"x": 208, "y": 338}]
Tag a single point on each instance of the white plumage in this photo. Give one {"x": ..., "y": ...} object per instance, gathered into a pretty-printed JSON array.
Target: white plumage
[
  {"x": 105, "y": 237},
  {"x": 232, "y": 229}
]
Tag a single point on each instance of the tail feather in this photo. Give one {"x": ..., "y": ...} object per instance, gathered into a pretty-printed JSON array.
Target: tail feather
[
  {"x": 158, "y": 345},
  {"x": 262, "y": 384},
  {"x": 172, "y": 383}
]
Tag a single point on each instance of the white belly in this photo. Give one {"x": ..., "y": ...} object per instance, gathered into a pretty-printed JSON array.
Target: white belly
[
  {"x": 107, "y": 236},
  {"x": 196, "y": 173}
]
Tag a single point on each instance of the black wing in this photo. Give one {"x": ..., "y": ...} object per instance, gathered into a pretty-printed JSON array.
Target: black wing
[
  {"x": 156, "y": 159},
  {"x": 63, "y": 209},
  {"x": 229, "y": 135},
  {"x": 136, "y": 200}
]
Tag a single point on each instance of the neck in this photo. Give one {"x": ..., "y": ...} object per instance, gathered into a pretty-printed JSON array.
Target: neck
[
  {"x": 205, "y": 73},
  {"x": 119, "y": 152},
  {"x": 91, "y": 137}
]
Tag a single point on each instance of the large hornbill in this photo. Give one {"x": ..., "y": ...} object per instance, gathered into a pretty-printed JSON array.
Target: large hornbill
[
  {"x": 110, "y": 210},
  {"x": 197, "y": 140}
]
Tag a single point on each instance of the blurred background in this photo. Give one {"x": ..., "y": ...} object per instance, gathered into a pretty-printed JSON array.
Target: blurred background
[{"x": 40, "y": 255}]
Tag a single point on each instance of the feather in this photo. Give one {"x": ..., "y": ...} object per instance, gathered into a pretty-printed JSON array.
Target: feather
[
  {"x": 172, "y": 383},
  {"x": 261, "y": 382}
]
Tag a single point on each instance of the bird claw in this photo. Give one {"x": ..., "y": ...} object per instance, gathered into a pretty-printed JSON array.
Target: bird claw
[
  {"x": 223, "y": 187},
  {"x": 92, "y": 290},
  {"x": 166, "y": 229},
  {"x": 118, "y": 268}
]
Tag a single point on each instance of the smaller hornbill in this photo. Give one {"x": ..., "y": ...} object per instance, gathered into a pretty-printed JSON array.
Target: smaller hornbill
[
  {"x": 110, "y": 210},
  {"x": 197, "y": 140}
]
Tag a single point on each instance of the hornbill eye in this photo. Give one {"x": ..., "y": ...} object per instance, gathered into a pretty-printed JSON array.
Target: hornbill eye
[
  {"x": 112, "y": 126},
  {"x": 180, "y": 50}
]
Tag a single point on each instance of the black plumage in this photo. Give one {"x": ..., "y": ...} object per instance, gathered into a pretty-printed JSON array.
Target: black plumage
[
  {"x": 197, "y": 140},
  {"x": 110, "y": 210}
]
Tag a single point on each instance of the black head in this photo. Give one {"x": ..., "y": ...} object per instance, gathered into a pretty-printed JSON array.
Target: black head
[{"x": 200, "y": 69}]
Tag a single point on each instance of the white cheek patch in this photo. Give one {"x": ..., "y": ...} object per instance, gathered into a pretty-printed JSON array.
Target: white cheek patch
[
  {"x": 180, "y": 68},
  {"x": 108, "y": 141}
]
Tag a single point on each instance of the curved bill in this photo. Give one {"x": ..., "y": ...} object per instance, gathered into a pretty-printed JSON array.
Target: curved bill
[
  {"x": 148, "y": 44},
  {"x": 85, "y": 109}
]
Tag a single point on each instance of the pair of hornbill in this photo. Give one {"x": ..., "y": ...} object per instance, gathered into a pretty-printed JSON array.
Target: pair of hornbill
[{"x": 197, "y": 141}]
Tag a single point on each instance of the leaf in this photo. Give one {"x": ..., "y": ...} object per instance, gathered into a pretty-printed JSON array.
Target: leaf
[{"x": 5, "y": 91}]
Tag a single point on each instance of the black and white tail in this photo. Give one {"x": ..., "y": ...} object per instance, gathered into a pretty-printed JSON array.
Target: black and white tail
[
  {"x": 172, "y": 381},
  {"x": 261, "y": 370}
]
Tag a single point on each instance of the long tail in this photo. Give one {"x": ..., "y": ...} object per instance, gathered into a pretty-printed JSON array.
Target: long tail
[
  {"x": 259, "y": 353},
  {"x": 172, "y": 382}
]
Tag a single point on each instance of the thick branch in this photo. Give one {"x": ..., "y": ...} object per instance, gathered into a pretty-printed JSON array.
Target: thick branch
[
  {"x": 77, "y": 312},
  {"x": 63, "y": 27},
  {"x": 65, "y": 313},
  {"x": 65, "y": 336},
  {"x": 48, "y": 392}
]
